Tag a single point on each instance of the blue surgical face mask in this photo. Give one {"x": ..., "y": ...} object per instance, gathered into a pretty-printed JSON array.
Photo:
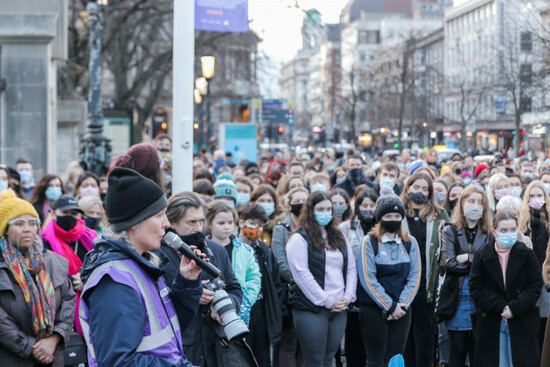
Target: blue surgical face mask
[
  {"x": 401, "y": 165},
  {"x": 242, "y": 198},
  {"x": 507, "y": 240},
  {"x": 386, "y": 181},
  {"x": 467, "y": 181},
  {"x": 547, "y": 186},
  {"x": 439, "y": 197},
  {"x": 318, "y": 187},
  {"x": 25, "y": 176},
  {"x": 339, "y": 209},
  {"x": 269, "y": 208},
  {"x": 323, "y": 218},
  {"x": 53, "y": 193},
  {"x": 516, "y": 191},
  {"x": 3, "y": 185}
]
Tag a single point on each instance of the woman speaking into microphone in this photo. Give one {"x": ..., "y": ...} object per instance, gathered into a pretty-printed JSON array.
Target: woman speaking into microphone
[{"x": 129, "y": 316}]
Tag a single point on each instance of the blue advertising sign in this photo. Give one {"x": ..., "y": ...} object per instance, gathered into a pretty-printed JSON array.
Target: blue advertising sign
[
  {"x": 221, "y": 15},
  {"x": 239, "y": 139},
  {"x": 500, "y": 103}
]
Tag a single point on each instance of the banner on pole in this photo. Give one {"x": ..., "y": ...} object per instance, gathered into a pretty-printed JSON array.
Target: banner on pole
[{"x": 221, "y": 15}]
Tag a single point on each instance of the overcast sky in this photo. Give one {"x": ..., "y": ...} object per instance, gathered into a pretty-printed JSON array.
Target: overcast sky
[{"x": 279, "y": 25}]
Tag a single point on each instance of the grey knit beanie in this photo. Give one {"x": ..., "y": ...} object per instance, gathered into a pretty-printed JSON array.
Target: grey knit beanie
[{"x": 388, "y": 202}]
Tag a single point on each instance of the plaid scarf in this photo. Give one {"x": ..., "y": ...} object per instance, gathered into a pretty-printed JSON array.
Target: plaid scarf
[{"x": 36, "y": 285}]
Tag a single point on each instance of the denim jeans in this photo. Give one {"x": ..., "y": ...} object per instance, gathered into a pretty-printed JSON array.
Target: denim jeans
[{"x": 505, "y": 348}]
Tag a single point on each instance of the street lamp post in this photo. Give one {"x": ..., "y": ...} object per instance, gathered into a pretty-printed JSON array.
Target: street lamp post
[
  {"x": 95, "y": 149},
  {"x": 208, "y": 66},
  {"x": 198, "y": 104}
]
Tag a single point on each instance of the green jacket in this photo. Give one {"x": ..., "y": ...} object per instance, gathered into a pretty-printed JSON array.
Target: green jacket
[{"x": 433, "y": 244}]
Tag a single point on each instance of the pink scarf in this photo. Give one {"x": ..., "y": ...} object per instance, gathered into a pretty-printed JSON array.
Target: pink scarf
[
  {"x": 503, "y": 256},
  {"x": 58, "y": 239}
]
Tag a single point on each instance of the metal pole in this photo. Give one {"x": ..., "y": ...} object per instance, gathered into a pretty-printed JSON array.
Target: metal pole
[
  {"x": 95, "y": 150},
  {"x": 208, "y": 122},
  {"x": 183, "y": 82}
]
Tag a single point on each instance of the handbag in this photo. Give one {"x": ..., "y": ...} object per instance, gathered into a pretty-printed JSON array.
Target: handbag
[{"x": 75, "y": 352}]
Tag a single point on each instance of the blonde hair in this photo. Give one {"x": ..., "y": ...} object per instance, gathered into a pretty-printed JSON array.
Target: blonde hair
[
  {"x": 87, "y": 202},
  {"x": 458, "y": 216},
  {"x": 524, "y": 222},
  {"x": 509, "y": 203},
  {"x": 493, "y": 182},
  {"x": 288, "y": 197}
]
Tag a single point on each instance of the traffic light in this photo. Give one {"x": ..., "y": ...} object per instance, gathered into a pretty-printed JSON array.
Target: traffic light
[
  {"x": 281, "y": 130},
  {"x": 160, "y": 122}
]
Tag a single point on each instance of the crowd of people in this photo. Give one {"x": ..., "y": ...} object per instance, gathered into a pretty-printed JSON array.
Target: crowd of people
[{"x": 324, "y": 256}]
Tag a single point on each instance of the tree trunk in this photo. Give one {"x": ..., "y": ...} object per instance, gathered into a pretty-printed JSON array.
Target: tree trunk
[
  {"x": 402, "y": 96},
  {"x": 517, "y": 132}
]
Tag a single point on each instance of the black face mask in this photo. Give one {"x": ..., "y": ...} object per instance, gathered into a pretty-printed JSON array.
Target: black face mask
[
  {"x": 91, "y": 222},
  {"x": 102, "y": 196},
  {"x": 391, "y": 226},
  {"x": 452, "y": 203},
  {"x": 356, "y": 174},
  {"x": 366, "y": 215},
  {"x": 194, "y": 239},
  {"x": 66, "y": 222},
  {"x": 163, "y": 150},
  {"x": 296, "y": 209}
]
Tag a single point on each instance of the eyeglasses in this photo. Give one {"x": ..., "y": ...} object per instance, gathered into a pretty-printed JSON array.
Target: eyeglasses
[{"x": 20, "y": 223}]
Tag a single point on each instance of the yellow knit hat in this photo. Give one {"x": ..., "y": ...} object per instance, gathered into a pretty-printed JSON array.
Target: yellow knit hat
[
  {"x": 444, "y": 170},
  {"x": 12, "y": 207}
]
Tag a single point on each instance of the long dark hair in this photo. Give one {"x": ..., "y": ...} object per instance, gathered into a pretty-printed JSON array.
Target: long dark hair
[
  {"x": 38, "y": 195},
  {"x": 307, "y": 221}
]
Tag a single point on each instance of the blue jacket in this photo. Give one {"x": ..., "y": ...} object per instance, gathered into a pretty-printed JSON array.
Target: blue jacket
[
  {"x": 117, "y": 313},
  {"x": 390, "y": 277}
]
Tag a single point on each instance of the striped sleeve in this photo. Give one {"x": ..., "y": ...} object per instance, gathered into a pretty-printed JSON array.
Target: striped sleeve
[
  {"x": 366, "y": 269},
  {"x": 415, "y": 273}
]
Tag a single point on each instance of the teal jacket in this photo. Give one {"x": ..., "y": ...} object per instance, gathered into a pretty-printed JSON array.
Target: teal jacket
[{"x": 247, "y": 272}]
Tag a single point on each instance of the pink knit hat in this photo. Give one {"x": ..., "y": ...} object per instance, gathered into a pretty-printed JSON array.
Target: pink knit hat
[{"x": 142, "y": 158}]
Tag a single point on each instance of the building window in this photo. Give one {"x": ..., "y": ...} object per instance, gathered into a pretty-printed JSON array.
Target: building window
[
  {"x": 525, "y": 104},
  {"x": 526, "y": 73},
  {"x": 526, "y": 41}
]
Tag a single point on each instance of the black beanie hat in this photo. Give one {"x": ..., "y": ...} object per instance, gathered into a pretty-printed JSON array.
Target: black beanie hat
[
  {"x": 388, "y": 202},
  {"x": 131, "y": 198}
]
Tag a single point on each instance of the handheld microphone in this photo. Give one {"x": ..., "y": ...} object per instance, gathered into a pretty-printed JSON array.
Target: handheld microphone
[{"x": 175, "y": 242}]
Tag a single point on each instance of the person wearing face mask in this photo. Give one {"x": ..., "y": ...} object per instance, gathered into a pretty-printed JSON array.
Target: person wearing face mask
[
  {"x": 265, "y": 314},
  {"x": 461, "y": 242},
  {"x": 186, "y": 214},
  {"x": 441, "y": 189},
  {"x": 324, "y": 281},
  {"x": 267, "y": 198},
  {"x": 466, "y": 177},
  {"x": 341, "y": 205},
  {"x": 87, "y": 185},
  {"x": 388, "y": 265},
  {"x": 355, "y": 230},
  {"x": 505, "y": 283},
  {"x": 354, "y": 177},
  {"x": 535, "y": 223},
  {"x": 423, "y": 220},
  {"x": 388, "y": 174},
  {"x": 66, "y": 234},
  {"x": 94, "y": 214},
  {"x": 48, "y": 189},
  {"x": 319, "y": 182},
  {"x": 225, "y": 189},
  {"x": 499, "y": 187},
  {"x": 452, "y": 197},
  {"x": 287, "y": 353},
  {"x": 36, "y": 297},
  {"x": 544, "y": 177},
  {"x": 244, "y": 190},
  {"x": 516, "y": 188},
  {"x": 23, "y": 166},
  {"x": 4, "y": 178}
]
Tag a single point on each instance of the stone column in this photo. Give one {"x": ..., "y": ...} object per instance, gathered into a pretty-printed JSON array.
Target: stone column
[{"x": 28, "y": 123}]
